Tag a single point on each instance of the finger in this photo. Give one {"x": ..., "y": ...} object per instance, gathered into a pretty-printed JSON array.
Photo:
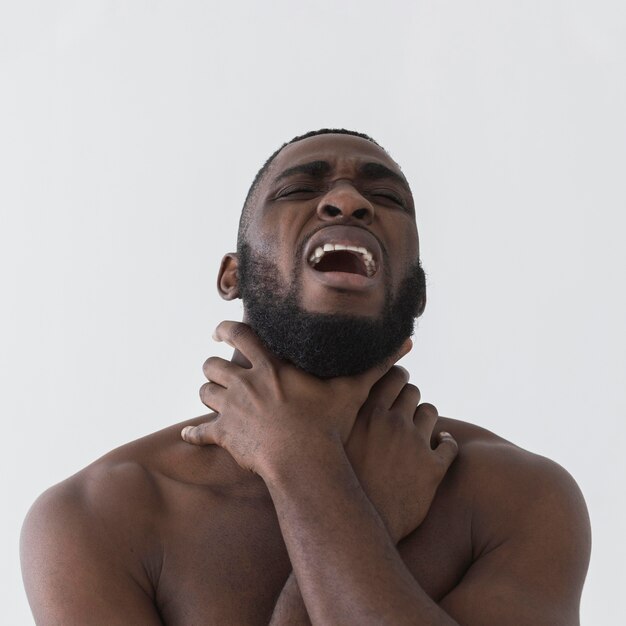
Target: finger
[
  {"x": 241, "y": 337},
  {"x": 425, "y": 418},
  {"x": 448, "y": 448},
  {"x": 203, "y": 434},
  {"x": 220, "y": 370},
  {"x": 374, "y": 374},
  {"x": 385, "y": 391},
  {"x": 407, "y": 401},
  {"x": 211, "y": 396}
]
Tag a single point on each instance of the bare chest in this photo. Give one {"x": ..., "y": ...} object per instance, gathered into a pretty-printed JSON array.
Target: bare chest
[{"x": 224, "y": 560}]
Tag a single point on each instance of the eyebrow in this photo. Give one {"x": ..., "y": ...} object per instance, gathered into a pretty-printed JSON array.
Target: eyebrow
[
  {"x": 376, "y": 171},
  {"x": 369, "y": 171},
  {"x": 316, "y": 169}
]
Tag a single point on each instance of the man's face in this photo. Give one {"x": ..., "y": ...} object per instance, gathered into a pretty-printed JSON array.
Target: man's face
[{"x": 330, "y": 260}]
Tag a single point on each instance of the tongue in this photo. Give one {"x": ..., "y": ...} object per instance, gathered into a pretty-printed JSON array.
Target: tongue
[{"x": 342, "y": 261}]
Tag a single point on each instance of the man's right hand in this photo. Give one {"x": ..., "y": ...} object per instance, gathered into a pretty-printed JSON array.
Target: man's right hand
[
  {"x": 389, "y": 449},
  {"x": 268, "y": 416}
]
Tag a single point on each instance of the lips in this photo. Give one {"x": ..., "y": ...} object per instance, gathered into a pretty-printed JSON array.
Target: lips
[
  {"x": 335, "y": 257},
  {"x": 346, "y": 250}
]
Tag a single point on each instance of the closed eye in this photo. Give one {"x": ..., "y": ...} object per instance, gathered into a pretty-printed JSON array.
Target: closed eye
[
  {"x": 295, "y": 190},
  {"x": 389, "y": 195}
]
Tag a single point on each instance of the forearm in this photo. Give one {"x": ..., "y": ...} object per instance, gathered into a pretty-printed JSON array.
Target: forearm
[
  {"x": 290, "y": 609},
  {"x": 347, "y": 567}
]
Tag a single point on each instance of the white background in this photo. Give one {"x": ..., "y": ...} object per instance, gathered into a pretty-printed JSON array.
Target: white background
[{"x": 130, "y": 131}]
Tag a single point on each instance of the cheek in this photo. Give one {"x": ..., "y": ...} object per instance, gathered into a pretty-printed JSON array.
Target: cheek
[
  {"x": 403, "y": 246},
  {"x": 267, "y": 240},
  {"x": 272, "y": 246},
  {"x": 278, "y": 233},
  {"x": 279, "y": 226}
]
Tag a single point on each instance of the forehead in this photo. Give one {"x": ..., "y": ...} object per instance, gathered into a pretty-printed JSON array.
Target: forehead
[{"x": 338, "y": 150}]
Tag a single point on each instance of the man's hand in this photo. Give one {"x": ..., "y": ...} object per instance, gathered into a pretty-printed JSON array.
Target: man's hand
[
  {"x": 274, "y": 410},
  {"x": 266, "y": 415},
  {"x": 389, "y": 449},
  {"x": 273, "y": 417}
]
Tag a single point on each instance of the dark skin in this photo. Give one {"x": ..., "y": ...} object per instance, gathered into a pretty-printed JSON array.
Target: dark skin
[{"x": 342, "y": 501}]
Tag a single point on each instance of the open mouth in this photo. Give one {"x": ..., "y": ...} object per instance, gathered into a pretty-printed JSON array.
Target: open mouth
[{"x": 343, "y": 258}]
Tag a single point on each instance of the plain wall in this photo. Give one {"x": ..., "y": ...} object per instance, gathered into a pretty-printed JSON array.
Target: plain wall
[{"x": 130, "y": 132}]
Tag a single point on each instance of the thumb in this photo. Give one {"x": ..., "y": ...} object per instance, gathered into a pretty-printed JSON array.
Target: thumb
[
  {"x": 203, "y": 434},
  {"x": 375, "y": 373},
  {"x": 448, "y": 448}
]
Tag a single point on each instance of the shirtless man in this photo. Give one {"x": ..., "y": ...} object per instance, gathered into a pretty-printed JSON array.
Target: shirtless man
[{"x": 319, "y": 488}]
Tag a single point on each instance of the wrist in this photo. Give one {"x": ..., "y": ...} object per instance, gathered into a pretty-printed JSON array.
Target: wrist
[{"x": 302, "y": 461}]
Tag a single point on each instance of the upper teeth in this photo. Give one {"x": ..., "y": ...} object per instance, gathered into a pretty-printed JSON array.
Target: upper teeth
[{"x": 368, "y": 259}]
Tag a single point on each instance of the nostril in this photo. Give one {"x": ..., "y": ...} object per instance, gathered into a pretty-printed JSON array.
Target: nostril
[
  {"x": 360, "y": 213},
  {"x": 331, "y": 211}
]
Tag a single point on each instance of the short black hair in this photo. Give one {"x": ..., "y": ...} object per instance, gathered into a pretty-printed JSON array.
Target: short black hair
[{"x": 245, "y": 212}]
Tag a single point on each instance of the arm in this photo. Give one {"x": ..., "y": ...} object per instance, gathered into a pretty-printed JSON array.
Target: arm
[
  {"x": 534, "y": 551},
  {"x": 346, "y": 563},
  {"x": 286, "y": 426},
  {"x": 533, "y": 560},
  {"x": 530, "y": 535},
  {"x": 290, "y": 609},
  {"x": 381, "y": 449}
]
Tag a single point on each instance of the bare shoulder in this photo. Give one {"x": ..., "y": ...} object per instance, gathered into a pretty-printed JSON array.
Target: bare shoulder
[
  {"x": 99, "y": 527},
  {"x": 121, "y": 481},
  {"x": 94, "y": 529},
  {"x": 122, "y": 489},
  {"x": 530, "y": 530},
  {"x": 504, "y": 479}
]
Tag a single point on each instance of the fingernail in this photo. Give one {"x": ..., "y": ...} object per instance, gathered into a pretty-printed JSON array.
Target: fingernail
[
  {"x": 184, "y": 433},
  {"x": 214, "y": 335},
  {"x": 445, "y": 433}
]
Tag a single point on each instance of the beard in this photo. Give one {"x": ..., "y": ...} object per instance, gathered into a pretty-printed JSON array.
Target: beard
[{"x": 326, "y": 344}]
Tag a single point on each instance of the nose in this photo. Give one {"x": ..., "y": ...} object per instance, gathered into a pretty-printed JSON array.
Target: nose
[{"x": 342, "y": 203}]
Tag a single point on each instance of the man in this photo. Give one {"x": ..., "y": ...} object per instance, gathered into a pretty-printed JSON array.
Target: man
[{"x": 319, "y": 490}]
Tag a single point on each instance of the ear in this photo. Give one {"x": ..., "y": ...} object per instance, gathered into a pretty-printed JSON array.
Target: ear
[
  {"x": 227, "y": 278},
  {"x": 422, "y": 305},
  {"x": 423, "y": 288}
]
